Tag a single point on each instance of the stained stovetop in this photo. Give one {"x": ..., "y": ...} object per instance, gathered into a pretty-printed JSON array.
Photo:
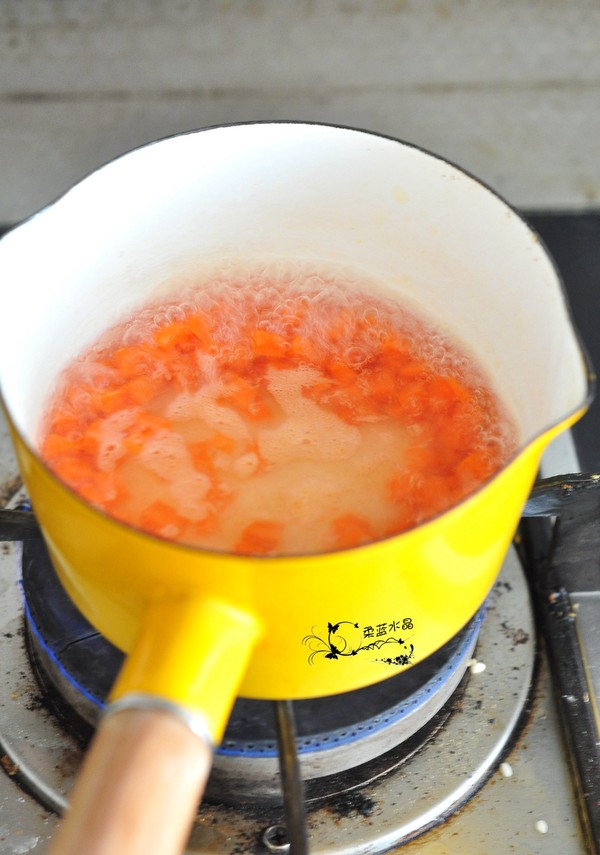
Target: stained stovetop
[{"x": 574, "y": 243}]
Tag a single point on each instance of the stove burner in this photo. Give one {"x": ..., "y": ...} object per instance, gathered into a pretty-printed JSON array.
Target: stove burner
[
  {"x": 388, "y": 811},
  {"x": 76, "y": 667}
]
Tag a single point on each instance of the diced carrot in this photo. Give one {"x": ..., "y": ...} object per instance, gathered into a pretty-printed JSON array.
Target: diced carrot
[
  {"x": 246, "y": 398},
  {"x": 239, "y": 391},
  {"x": 260, "y": 538},
  {"x": 451, "y": 388},
  {"x": 417, "y": 500},
  {"x": 140, "y": 390},
  {"x": 56, "y": 444},
  {"x": 258, "y": 410},
  {"x": 74, "y": 469},
  {"x": 475, "y": 468},
  {"x": 146, "y": 426},
  {"x": 421, "y": 457},
  {"x": 394, "y": 348},
  {"x": 270, "y": 344},
  {"x": 351, "y": 530},
  {"x": 113, "y": 399},
  {"x": 79, "y": 472},
  {"x": 134, "y": 443},
  {"x": 103, "y": 490},
  {"x": 316, "y": 391},
  {"x": 305, "y": 349},
  {"x": 208, "y": 525},
  {"x": 201, "y": 328},
  {"x": 343, "y": 325},
  {"x": 184, "y": 370},
  {"x": 137, "y": 390},
  {"x": 162, "y": 519},
  {"x": 452, "y": 438},
  {"x": 445, "y": 394},
  {"x": 79, "y": 442},
  {"x": 342, "y": 410},
  {"x": 64, "y": 421},
  {"x": 433, "y": 490},
  {"x": 341, "y": 373},
  {"x": 177, "y": 335},
  {"x": 409, "y": 402},
  {"x": 383, "y": 384},
  {"x": 223, "y": 442},
  {"x": 131, "y": 361},
  {"x": 410, "y": 370},
  {"x": 202, "y": 453},
  {"x": 426, "y": 490},
  {"x": 246, "y": 365},
  {"x": 218, "y": 495}
]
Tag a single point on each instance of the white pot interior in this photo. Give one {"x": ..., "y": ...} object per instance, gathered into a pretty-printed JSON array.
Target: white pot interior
[{"x": 432, "y": 234}]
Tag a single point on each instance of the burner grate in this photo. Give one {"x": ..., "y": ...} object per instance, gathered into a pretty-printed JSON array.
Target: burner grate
[
  {"x": 384, "y": 813},
  {"x": 76, "y": 667}
]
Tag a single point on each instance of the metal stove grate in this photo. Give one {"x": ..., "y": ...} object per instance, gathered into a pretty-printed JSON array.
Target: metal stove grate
[{"x": 410, "y": 796}]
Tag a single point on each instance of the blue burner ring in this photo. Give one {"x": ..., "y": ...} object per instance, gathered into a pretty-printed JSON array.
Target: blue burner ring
[{"x": 84, "y": 663}]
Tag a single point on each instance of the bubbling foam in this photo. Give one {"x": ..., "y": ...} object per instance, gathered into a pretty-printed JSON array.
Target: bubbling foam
[{"x": 283, "y": 408}]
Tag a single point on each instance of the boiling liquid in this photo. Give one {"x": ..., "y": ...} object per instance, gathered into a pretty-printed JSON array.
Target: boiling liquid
[{"x": 275, "y": 412}]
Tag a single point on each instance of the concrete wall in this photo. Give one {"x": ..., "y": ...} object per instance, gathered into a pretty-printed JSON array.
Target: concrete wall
[{"x": 509, "y": 89}]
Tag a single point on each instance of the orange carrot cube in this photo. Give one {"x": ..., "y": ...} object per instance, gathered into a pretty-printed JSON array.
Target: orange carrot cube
[
  {"x": 351, "y": 530},
  {"x": 260, "y": 538}
]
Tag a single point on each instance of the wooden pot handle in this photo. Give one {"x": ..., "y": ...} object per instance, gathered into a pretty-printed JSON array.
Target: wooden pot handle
[{"x": 139, "y": 787}]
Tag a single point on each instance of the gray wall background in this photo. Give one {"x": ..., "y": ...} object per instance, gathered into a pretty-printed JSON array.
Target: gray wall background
[{"x": 509, "y": 89}]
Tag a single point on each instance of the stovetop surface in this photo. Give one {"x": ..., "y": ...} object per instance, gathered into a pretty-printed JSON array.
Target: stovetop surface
[
  {"x": 528, "y": 805},
  {"x": 500, "y": 740},
  {"x": 574, "y": 243}
]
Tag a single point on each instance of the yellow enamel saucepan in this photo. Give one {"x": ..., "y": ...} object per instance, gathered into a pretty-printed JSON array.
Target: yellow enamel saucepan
[{"x": 200, "y": 627}]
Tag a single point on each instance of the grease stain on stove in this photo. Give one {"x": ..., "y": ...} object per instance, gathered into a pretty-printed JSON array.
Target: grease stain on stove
[
  {"x": 8, "y": 764},
  {"x": 9, "y": 489},
  {"x": 353, "y": 804},
  {"x": 516, "y": 635},
  {"x": 70, "y": 760},
  {"x": 35, "y": 703}
]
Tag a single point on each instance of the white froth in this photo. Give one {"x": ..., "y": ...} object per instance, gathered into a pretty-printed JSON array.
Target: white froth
[
  {"x": 111, "y": 435},
  {"x": 189, "y": 495},
  {"x": 309, "y": 432},
  {"x": 246, "y": 465},
  {"x": 167, "y": 456},
  {"x": 203, "y": 405}
]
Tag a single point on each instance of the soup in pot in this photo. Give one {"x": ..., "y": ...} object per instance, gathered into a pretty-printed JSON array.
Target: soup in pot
[{"x": 281, "y": 410}]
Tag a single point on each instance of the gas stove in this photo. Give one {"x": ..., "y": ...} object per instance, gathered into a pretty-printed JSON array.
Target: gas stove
[{"x": 490, "y": 747}]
